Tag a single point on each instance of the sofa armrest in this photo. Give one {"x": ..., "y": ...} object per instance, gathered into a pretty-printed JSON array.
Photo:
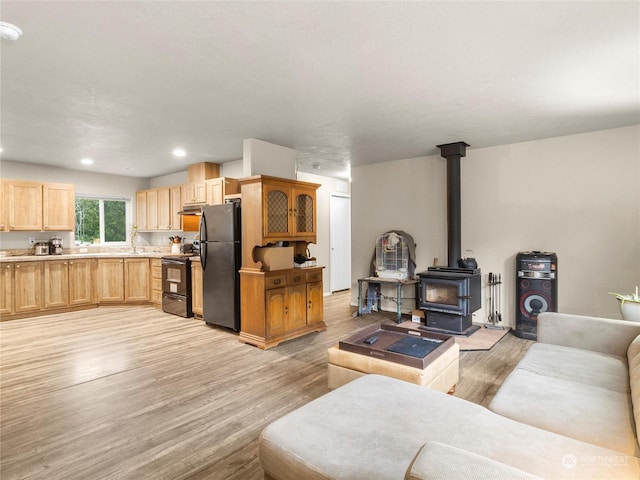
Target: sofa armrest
[
  {"x": 437, "y": 460},
  {"x": 603, "y": 335}
]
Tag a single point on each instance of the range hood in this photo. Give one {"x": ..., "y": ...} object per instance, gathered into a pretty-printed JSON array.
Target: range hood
[{"x": 194, "y": 209}]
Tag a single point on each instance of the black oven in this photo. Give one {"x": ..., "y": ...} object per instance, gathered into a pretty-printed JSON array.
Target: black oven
[
  {"x": 450, "y": 292},
  {"x": 176, "y": 286}
]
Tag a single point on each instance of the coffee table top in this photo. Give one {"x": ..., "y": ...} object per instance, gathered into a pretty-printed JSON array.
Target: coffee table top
[{"x": 402, "y": 345}]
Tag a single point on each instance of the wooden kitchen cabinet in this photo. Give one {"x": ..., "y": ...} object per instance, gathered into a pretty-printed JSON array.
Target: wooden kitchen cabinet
[
  {"x": 81, "y": 274},
  {"x": 110, "y": 280},
  {"x": 37, "y": 206},
  {"x": 274, "y": 210},
  {"x": 217, "y": 188},
  {"x": 136, "y": 280},
  {"x": 56, "y": 283},
  {"x": 157, "y": 209},
  {"x": 156, "y": 281},
  {"x": 280, "y": 305},
  {"x": 24, "y": 205},
  {"x": 194, "y": 193},
  {"x": 141, "y": 210},
  {"x": 3, "y": 212},
  {"x": 6, "y": 288},
  {"x": 175, "y": 199},
  {"x": 58, "y": 207},
  {"x": 27, "y": 287},
  {"x": 152, "y": 209},
  {"x": 196, "y": 288},
  {"x": 123, "y": 280}
]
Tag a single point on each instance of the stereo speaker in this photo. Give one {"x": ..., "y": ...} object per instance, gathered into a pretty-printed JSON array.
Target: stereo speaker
[{"x": 536, "y": 292}]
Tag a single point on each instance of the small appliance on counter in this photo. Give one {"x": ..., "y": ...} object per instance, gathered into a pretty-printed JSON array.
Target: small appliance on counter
[
  {"x": 55, "y": 246},
  {"x": 42, "y": 248}
]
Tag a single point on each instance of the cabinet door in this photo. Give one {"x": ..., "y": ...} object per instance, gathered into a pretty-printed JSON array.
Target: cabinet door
[
  {"x": 152, "y": 209},
  {"x": 56, "y": 284},
  {"x": 110, "y": 280},
  {"x": 81, "y": 281},
  {"x": 58, "y": 207},
  {"x": 196, "y": 288},
  {"x": 24, "y": 205},
  {"x": 200, "y": 192},
  {"x": 175, "y": 220},
  {"x": 28, "y": 287},
  {"x": 315, "y": 303},
  {"x": 276, "y": 310},
  {"x": 6, "y": 288},
  {"x": 164, "y": 208},
  {"x": 304, "y": 212},
  {"x": 277, "y": 210},
  {"x": 296, "y": 308},
  {"x": 3, "y": 210},
  {"x": 215, "y": 191},
  {"x": 136, "y": 279},
  {"x": 141, "y": 209}
]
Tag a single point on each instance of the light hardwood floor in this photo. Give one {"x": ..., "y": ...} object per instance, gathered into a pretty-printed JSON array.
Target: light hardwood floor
[{"x": 134, "y": 393}]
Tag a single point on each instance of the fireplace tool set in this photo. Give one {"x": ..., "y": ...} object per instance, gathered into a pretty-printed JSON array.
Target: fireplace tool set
[{"x": 495, "y": 317}]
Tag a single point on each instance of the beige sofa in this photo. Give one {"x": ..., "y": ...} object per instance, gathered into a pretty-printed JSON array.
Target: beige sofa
[{"x": 568, "y": 410}]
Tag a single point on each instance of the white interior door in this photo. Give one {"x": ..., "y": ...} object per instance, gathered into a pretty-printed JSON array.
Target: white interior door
[{"x": 340, "y": 242}]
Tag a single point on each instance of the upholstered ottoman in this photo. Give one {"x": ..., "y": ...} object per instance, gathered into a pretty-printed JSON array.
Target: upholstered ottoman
[{"x": 441, "y": 374}]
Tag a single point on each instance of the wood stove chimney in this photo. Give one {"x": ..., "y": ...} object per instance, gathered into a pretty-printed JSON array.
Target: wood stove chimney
[{"x": 453, "y": 152}]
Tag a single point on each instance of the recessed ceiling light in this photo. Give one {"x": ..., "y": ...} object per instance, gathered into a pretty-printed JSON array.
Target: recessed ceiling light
[
  {"x": 86, "y": 161},
  {"x": 9, "y": 31},
  {"x": 179, "y": 152}
]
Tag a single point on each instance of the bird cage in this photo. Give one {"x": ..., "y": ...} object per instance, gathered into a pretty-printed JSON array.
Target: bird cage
[{"x": 392, "y": 256}]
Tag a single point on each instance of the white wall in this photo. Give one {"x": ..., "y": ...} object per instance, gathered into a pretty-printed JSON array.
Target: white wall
[
  {"x": 321, "y": 250},
  {"x": 578, "y": 196},
  {"x": 264, "y": 158}
]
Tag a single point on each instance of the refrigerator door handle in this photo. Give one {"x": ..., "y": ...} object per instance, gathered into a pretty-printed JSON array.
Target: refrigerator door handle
[{"x": 203, "y": 241}]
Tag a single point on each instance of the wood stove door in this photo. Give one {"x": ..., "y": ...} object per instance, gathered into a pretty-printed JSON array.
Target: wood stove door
[{"x": 444, "y": 295}]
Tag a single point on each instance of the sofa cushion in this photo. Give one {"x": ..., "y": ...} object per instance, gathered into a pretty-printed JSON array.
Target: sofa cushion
[
  {"x": 373, "y": 427},
  {"x": 587, "y": 367},
  {"x": 437, "y": 461},
  {"x": 633, "y": 355}
]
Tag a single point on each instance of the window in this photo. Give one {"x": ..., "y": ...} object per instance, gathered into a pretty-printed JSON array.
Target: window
[{"x": 102, "y": 220}]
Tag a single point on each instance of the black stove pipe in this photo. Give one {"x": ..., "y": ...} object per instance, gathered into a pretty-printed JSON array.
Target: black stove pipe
[{"x": 453, "y": 152}]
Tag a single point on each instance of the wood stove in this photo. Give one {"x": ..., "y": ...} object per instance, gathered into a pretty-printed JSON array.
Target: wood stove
[{"x": 450, "y": 294}]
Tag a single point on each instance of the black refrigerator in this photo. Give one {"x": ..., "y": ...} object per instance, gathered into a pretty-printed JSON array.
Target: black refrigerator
[{"x": 220, "y": 259}]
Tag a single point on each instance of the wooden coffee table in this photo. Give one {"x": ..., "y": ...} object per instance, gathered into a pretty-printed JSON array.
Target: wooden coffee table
[{"x": 353, "y": 357}]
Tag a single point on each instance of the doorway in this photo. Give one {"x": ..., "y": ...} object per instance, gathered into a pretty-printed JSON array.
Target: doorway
[{"x": 340, "y": 242}]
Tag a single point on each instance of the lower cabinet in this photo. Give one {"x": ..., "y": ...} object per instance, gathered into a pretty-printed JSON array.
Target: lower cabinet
[
  {"x": 136, "y": 280},
  {"x": 6, "y": 288},
  {"x": 28, "y": 287},
  {"x": 156, "y": 282},
  {"x": 196, "y": 288},
  {"x": 123, "y": 280},
  {"x": 110, "y": 280},
  {"x": 81, "y": 273},
  {"x": 56, "y": 283},
  {"x": 280, "y": 305}
]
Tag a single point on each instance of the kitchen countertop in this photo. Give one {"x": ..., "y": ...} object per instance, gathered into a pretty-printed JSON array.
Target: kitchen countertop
[{"x": 71, "y": 256}]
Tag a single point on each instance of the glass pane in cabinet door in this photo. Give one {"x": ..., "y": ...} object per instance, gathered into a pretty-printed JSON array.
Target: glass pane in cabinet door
[
  {"x": 304, "y": 209},
  {"x": 277, "y": 208}
]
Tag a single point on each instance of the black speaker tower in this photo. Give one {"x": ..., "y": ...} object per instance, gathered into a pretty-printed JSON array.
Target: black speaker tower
[{"x": 536, "y": 290}]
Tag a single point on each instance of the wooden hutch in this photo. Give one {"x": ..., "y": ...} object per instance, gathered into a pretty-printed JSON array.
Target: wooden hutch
[{"x": 278, "y": 305}]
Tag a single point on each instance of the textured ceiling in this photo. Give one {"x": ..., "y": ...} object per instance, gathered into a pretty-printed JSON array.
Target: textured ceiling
[{"x": 341, "y": 82}]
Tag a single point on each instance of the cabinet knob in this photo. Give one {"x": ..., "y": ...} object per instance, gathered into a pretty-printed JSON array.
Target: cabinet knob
[
  {"x": 17, "y": 266},
  {"x": 277, "y": 281}
]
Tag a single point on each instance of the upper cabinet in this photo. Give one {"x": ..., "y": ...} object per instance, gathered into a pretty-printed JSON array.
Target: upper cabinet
[
  {"x": 157, "y": 209},
  {"x": 58, "y": 207},
  {"x": 289, "y": 211},
  {"x": 276, "y": 210},
  {"x": 218, "y": 188},
  {"x": 195, "y": 191},
  {"x": 37, "y": 206}
]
